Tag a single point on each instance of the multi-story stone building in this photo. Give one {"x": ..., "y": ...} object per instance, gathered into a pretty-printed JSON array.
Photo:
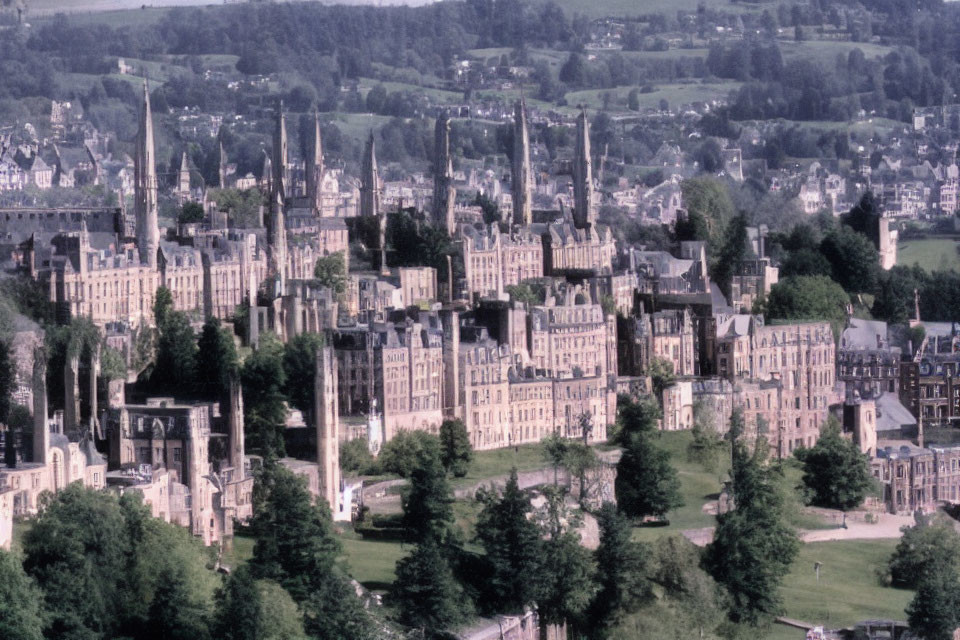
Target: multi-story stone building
[
  {"x": 916, "y": 478},
  {"x": 568, "y": 335},
  {"x": 930, "y": 387},
  {"x": 794, "y": 366},
  {"x": 494, "y": 260},
  {"x": 866, "y": 363},
  {"x": 668, "y": 335}
]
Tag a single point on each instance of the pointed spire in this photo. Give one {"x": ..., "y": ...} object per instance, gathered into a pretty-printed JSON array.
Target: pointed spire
[
  {"x": 315, "y": 166},
  {"x": 444, "y": 193},
  {"x": 280, "y": 153},
  {"x": 370, "y": 181},
  {"x": 277, "y": 242},
  {"x": 521, "y": 187},
  {"x": 183, "y": 179},
  {"x": 583, "y": 216},
  {"x": 145, "y": 188}
]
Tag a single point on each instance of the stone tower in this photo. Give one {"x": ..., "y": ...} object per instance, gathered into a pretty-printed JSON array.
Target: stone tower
[
  {"x": 236, "y": 452},
  {"x": 583, "y": 216},
  {"x": 315, "y": 166},
  {"x": 277, "y": 242},
  {"x": 369, "y": 181},
  {"x": 450, "y": 321},
  {"x": 71, "y": 394},
  {"x": 183, "y": 176},
  {"x": 522, "y": 177},
  {"x": 145, "y": 187},
  {"x": 444, "y": 193},
  {"x": 327, "y": 416},
  {"x": 222, "y": 170},
  {"x": 279, "y": 161},
  {"x": 41, "y": 427}
]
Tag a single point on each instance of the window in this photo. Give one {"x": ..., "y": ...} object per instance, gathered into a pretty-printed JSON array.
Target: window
[{"x": 176, "y": 454}]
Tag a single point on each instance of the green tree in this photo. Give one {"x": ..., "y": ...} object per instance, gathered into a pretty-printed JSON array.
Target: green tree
[
  {"x": 554, "y": 452},
  {"x": 75, "y": 550},
  {"x": 20, "y": 608},
  {"x": 735, "y": 248},
  {"x": 401, "y": 454},
  {"x": 300, "y": 370},
  {"x": 355, "y": 457},
  {"x": 934, "y": 612},
  {"x": 635, "y": 417},
  {"x": 708, "y": 198},
  {"x": 753, "y": 546},
  {"x": 162, "y": 305},
  {"x": 428, "y": 500},
  {"x": 294, "y": 537},
  {"x": 331, "y": 271},
  {"x": 930, "y": 541},
  {"x": 264, "y": 410},
  {"x": 707, "y": 443},
  {"x": 174, "y": 614},
  {"x": 6, "y": 382},
  {"x": 853, "y": 259},
  {"x": 176, "y": 367},
  {"x": 835, "y": 472},
  {"x": 579, "y": 459},
  {"x": 566, "y": 581},
  {"x": 646, "y": 484},
  {"x": 512, "y": 545},
  {"x": 425, "y": 593},
  {"x": 250, "y": 609},
  {"x": 622, "y": 574},
  {"x": 808, "y": 298},
  {"x": 455, "y": 450},
  {"x": 864, "y": 218},
  {"x": 661, "y": 375},
  {"x": 633, "y": 100},
  {"x": 190, "y": 212},
  {"x": 217, "y": 362}
]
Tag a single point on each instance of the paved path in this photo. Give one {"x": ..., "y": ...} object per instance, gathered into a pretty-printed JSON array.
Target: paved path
[{"x": 888, "y": 527}]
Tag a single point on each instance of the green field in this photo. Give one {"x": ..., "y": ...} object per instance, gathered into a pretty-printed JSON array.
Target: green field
[
  {"x": 849, "y": 589},
  {"x": 933, "y": 254},
  {"x": 676, "y": 94},
  {"x": 372, "y": 563},
  {"x": 498, "y": 462}
]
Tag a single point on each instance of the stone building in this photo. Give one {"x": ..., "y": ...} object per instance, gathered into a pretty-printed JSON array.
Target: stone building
[
  {"x": 668, "y": 335},
  {"x": 186, "y": 459},
  {"x": 494, "y": 260},
  {"x": 568, "y": 335},
  {"x": 793, "y": 368},
  {"x": 930, "y": 387},
  {"x": 866, "y": 362},
  {"x": 915, "y": 478}
]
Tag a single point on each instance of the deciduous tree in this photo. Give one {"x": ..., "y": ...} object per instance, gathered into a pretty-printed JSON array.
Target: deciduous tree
[{"x": 835, "y": 472}]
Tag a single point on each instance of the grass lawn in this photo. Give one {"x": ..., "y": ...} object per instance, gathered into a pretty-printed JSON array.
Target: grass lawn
[
  {"x": 848, "y": 591},
  {"x": 240, "y": 551},
  {"x": 370, "y": 562},
  {"x": 497, "y": 462},
  {"x": 933, "y": 254}
]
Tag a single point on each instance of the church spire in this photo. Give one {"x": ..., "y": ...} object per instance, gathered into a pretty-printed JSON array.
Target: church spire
[
  {"x": 370, "y": 181},
  {"x": 444, "y": 193},
  {"x": 277, "y": 243},
  {"x": 145, "y": 187},
  {"x": 315, "y": 166},
  {"x": 583, "y": 216},
  {"x": 279, "y": 161},
  {"x": 521, "y": 187}
]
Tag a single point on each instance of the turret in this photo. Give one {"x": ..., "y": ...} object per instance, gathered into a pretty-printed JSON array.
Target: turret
[
  {"x": 444, "y": 193},
  {"x": 583, "y": 216}
]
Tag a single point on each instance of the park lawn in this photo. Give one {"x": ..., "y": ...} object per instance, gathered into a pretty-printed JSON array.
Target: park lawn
[
  {"x": 441, "y": 95},
  {"x": 849, "y": 589},
  {"x": 372, "y": 563},
  {"x": 933, "y": 254},
  {"x": 499, "y": 462},
  {"x": 239, "y": 552}
]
